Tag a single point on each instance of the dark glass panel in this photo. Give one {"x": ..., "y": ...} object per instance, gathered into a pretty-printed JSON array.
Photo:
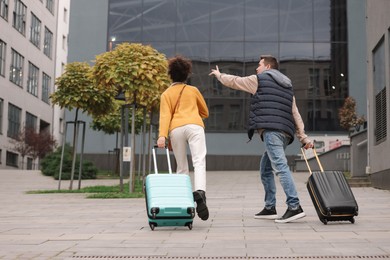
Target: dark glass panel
[
  {"x": 167, "y": 48},
  {"x": 158, "y": 20},
  {"x": 253, "y": 50},
  {"x": 322, "y": 21},
  {"x": 338, "y": 21},
  {"x": 227, "y": 20},
  {"x": 229, "y": 67},
  {"x": 198, "y": 52},
  {"x": 261, "y": 23},
  {"x": 296, "y": 51},
  {"x": 311, "y": 48},
  {"x": 193, "y": 20},
  {"x": 322, "y": 51},
  {"x": 296, "y": 20},
  {"x": 227, "y": 51},
  {"x": 124, "y": 20},
  {"x": 194, "y": 50},
  {"x": 227, "y": 115},
  {"x": 339, "y": 69}
]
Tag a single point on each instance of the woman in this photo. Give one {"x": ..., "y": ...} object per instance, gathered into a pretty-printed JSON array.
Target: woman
[{"x": 182, "y": 110}]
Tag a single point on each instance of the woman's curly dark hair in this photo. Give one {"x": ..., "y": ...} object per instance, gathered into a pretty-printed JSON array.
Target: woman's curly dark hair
[{"x": 179, "y": 68}]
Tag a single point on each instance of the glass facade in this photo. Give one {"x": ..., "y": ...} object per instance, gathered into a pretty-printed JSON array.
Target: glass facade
[{"x": 309, "y": 38}]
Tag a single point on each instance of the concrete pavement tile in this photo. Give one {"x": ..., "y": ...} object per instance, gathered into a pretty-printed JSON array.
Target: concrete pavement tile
[
  {"x": 119, "y": 227},
  {"x": 272, "y": 235},
  {"x": 333, "y": 251},
  {"x": 385, "y": 249},
  {"x": 269, "y": 251},
  {"x": 335, "y": 235},
  {"x": 231, "y": 244},
  {"x": 176, "y": 252},
  {"x": 301, "y": 235},
  {"x": 222, "y": 252},
  {"x": 274, "y": 244},
  {"x": 375, "y": 236}
]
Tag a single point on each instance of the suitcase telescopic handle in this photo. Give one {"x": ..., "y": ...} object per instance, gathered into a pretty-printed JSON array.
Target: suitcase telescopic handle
[
  {"x": 155, "y": 159},
  {"x": 316, "y": 155}
]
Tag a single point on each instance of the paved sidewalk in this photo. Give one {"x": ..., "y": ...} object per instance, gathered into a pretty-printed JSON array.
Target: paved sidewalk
[{"x": 69, "y": 226}]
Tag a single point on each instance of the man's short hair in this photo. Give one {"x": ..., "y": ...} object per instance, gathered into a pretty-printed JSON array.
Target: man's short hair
[{"x": 270, "y": 60}]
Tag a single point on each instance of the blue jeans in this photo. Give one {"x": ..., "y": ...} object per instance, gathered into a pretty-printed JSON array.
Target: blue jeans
[{"x": 274, "y": 161}]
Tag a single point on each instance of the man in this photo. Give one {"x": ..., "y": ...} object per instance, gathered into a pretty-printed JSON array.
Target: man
[{"x": 275, "y": 116}]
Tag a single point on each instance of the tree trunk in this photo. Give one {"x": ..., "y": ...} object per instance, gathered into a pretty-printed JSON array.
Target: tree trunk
[{"x": 74, "y": 150}]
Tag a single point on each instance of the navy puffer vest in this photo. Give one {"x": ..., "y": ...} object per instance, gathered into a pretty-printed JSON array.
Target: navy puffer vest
[{"x": 271, "y": 107}]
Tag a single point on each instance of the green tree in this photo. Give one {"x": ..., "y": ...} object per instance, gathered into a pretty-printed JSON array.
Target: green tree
[
  {"x": 111, "y": 123},
  {"x": 137, "y": 71},
  {"x": 76, "y": 88}
]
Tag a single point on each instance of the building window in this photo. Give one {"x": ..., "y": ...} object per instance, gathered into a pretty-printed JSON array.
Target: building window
[
  {"x": 328, "y": 90},
  {"x": 32, "y": 80},
  {"x": 16, "y": 68},
  {"x": 19, "y": 21},
  {"x": 12, "y": 159},
  {"x": 30, "y": 163},
  {"x": 35, "y": 32},
  {"x": 216, "y": 112},
  {"x": 61, "y": 124},
  {"x": 48, "y": 43},
  {"x": 31, "y": 121},
  {"x": 63, "y": 42},
  {"x": 50, "y": 5},
  {"x": 1, "y": 115},
  {"x": 3, "y": 47},
  {"x": 314, "y": 82},
  {"x": 234, "y": 117},
  {"x": 46, "y": 81},
  {"x": 65, "y": 15},
  {"x": 4, "y": 9},
  {"x": 379, "y": 77},
  {"x": 14, "y": 119}
]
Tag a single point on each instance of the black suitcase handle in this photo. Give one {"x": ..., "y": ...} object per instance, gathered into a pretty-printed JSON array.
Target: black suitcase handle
[
  {"x": 155, "y": 160},
  {"x": 307, "y": 163}
]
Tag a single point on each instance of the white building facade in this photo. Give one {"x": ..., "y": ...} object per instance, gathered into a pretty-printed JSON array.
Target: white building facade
[
  {"x": 378, "y": 96},
  {"x": 33, "y": 52}
]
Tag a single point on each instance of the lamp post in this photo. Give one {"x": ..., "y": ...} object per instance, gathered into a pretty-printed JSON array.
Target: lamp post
[
  {"x": 111, "y": 43},
  {"x": 125, "y": 133}
]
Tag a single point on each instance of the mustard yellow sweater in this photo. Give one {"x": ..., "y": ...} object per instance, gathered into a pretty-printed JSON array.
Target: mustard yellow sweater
[{"x": 192, "y": 108}]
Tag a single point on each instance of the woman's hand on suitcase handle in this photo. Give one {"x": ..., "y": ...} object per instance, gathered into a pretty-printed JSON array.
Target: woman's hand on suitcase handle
[{"x": 161, "y": 142}]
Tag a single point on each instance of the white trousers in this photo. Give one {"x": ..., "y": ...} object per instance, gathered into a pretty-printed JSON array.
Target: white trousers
[{"x": 195, "y": 137}]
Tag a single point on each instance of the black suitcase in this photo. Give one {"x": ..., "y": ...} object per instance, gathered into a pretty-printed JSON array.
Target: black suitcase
[{"x": 331, "y": 194}]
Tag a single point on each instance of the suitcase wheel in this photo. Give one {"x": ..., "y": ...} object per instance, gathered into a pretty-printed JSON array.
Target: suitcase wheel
[
  {"x": 189, "y": 225},
  {"x": 325, "y": 221},
  {"x": 352, "y": 220},
  {"x": 154, "y": 212},
  {"x": 151, "y": 225}
]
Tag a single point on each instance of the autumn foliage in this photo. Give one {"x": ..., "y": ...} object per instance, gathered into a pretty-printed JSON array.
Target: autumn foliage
[
  {"x": 347, "y": 115},
  {"x": 30, "y": 143}
]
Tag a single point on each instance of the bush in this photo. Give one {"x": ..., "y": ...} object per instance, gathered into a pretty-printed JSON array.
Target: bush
[{"x": 50, "y": 165}]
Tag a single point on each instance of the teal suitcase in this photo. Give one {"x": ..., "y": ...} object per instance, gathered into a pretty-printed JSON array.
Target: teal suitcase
[{"x": 169, "y": 198}]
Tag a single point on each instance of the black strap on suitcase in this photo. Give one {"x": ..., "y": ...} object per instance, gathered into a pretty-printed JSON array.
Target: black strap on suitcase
[{"x": 331, "y": 194}]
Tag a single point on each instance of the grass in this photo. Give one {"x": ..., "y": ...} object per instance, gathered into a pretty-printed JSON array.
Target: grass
[{"x": 102, "y": 192}]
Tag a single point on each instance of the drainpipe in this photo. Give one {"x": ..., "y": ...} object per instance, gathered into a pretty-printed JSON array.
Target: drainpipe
[{"x": 368, "y": 167}]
